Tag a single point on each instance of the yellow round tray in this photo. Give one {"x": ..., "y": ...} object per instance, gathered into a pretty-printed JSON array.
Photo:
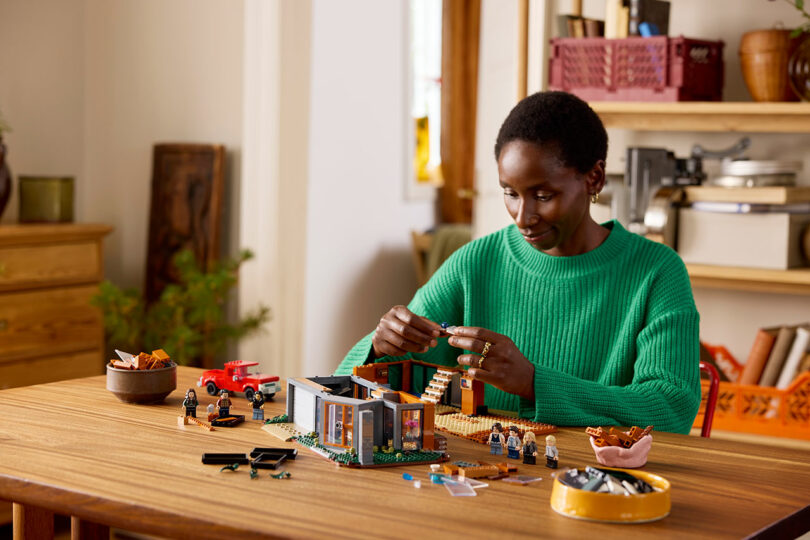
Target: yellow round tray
[{"x": 589, "y": 505}]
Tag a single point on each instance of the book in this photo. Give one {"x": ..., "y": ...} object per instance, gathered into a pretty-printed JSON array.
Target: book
[
  {"x": 623, "y": 22},
  {"x": 760, "y": 351},
  {"x": 594, "y": 28},
  {"x": 753, "y": 195},
  {"x": 804, "y": 365},
  {"x": 796, "y": 354},
  {"x": 781, "y": 348},
  {"x": 612, "y": 8}
]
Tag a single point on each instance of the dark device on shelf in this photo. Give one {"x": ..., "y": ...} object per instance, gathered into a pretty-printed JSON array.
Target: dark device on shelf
[{"x": 654, "y": 176}]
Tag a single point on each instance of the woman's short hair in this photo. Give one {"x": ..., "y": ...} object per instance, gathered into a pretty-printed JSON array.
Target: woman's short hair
[{"x": 561, "y": 120}]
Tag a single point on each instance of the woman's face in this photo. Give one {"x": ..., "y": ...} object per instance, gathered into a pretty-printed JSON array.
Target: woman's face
[{"x": 549, "y": 202}]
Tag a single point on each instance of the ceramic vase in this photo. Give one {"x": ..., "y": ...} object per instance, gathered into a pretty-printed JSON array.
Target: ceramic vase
[
  {"x": 764, "y": 57},
  {"x": 799, "y": 70}
]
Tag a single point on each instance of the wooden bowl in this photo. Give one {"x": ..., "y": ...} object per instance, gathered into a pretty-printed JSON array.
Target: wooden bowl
[{"x": 142, "y": 386}]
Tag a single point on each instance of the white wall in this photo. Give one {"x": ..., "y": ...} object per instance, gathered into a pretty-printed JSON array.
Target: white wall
[
  {"x": 727, "y": 317},
  {"x": 41, "y": 89},
  {"x": 358, "y": 223},
  {"x": 90, "y": 85},
  {"x": 155, "y": 71}
]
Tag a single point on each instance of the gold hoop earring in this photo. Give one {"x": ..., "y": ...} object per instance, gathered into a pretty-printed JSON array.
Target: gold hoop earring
[{"x": 594, "y": 198}]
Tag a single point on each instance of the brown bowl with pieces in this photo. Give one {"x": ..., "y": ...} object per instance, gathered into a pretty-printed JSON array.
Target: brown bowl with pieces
[{"x": 145, "y": 378}]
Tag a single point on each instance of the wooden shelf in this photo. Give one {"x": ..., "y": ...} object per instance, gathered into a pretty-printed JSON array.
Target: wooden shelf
[
  {"x": 795, "y": 281},
  {"x": 748, "y": 117}
]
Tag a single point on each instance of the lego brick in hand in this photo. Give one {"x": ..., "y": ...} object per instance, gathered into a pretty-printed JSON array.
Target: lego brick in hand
[{"x": 618, "y": 456}]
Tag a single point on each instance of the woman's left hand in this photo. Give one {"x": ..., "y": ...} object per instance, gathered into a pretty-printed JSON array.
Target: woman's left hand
[{"x": 500, "y": 364}]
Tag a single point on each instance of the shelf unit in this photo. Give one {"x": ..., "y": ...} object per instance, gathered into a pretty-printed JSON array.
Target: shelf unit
[
  {"x": 749, "y": 117},
  {"x": 796, "y": 281},
  {"x": 707, "y": 116}
]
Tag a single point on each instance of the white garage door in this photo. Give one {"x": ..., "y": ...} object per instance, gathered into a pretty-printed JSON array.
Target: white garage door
[{"x": 304, "y": 407}]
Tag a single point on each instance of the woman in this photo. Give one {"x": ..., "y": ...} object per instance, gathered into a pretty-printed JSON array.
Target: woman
[{"x": 572, "y": 322}]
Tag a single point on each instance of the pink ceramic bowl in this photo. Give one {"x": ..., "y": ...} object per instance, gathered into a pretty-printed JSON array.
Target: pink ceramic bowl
[{"x": 627, "y": 458}]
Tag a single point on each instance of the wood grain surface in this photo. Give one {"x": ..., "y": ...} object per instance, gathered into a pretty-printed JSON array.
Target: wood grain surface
[{"x": 71, "y": 447}]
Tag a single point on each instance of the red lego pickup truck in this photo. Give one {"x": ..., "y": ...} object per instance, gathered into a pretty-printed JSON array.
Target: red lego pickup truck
[{"x": 235, "y": 378}]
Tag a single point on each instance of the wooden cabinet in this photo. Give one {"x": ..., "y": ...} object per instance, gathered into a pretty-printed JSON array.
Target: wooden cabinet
[{"x": 48, "y": 329}]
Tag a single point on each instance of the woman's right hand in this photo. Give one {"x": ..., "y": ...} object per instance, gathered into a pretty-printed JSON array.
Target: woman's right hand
[{"x": 401, "y": 331}]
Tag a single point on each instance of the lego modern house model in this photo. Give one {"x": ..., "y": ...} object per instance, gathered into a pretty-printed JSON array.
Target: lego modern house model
[{"x": 375, "y": 406}]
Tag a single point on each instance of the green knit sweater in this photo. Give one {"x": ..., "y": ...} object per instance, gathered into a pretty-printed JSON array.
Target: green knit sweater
[{"x": 612, "y": 333}]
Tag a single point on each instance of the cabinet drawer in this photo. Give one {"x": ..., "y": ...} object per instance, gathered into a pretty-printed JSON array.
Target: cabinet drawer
[
  {"x": 49, "y": 322},
  {"x": 47, "y": 265},
  {"x": 44, "y": 369}
]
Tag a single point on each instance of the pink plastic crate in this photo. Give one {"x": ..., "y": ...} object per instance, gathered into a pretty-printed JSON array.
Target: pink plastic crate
[{"x": 638, "y": 68}]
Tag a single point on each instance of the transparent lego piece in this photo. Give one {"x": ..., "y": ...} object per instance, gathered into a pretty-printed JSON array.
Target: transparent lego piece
[{"x": 459, "y": 489}]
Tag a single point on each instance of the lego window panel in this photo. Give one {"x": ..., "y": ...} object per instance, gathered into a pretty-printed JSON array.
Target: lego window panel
[
  {"x": 411, "y": 429},
  {"x": 338, "y": 424}
]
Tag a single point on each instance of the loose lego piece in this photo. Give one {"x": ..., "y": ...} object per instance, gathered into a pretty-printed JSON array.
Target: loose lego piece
[
  {"x": 231, "y": 467},
  {"x": 158, "y": 359},
  {"x": 228, "y": 421},
  {"x": 223, "y": 404},
  {"x": 522, "y": 480},
  {"x": 552, "y": 456},
  {"x": 268, "y": 461},
  {"x": 257, "y": 401},
  {"x": 224, "y": 458},
  {"x": 289, "y": 453},
  {"x": 280, "y": 476},
  {"x": 529, "y": 448},
  {"x": 459, "y": 489},
  {"x": 253, "y": 473},
  {"x": 496, "y": 439},
  {"x": 190, "y": 403},
  {"x": 204, "y": 425},
  {"x": 513, "y": 443},
  {"x": 625, "y": 439}
]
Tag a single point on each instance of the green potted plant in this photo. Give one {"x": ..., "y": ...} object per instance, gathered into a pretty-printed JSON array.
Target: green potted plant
[{"x": 187, "y": 321}]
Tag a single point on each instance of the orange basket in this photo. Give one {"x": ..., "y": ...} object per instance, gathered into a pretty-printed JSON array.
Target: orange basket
[{"x": 763, "y": 410}]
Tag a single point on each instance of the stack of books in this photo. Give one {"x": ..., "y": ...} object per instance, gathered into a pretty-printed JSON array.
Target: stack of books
[
  {"x": 623, "y": 18},
  {"x": 753, "y": 227},
  {"x": 778, "y": 356}
]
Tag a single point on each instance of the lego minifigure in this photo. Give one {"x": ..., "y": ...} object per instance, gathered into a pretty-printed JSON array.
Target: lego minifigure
[
  {"x": 513, "y": 443},
  {"x": 529, "y": 448},
  {"x": 258, "y": 406},
  {"x": 224, "y": 404},
  {"x": 551, "y": 452},
  {"x": 496, "y": 439},
  {"x": 190, "y": 402}
]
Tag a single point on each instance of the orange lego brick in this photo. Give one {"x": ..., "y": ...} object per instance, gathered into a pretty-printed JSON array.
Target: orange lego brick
[
  {"x": 635, "y": 433},
  {"x": 613, "y": 440},
  {"x": 161, "y": 355},
  {"x": 594, "y": 431}
]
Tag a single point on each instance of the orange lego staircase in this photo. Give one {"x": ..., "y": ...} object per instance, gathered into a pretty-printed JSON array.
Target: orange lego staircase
[{"x": 438, "y": 385}]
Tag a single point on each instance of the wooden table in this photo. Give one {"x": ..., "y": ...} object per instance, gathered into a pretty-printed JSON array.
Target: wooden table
[{"x": 72, "y": 448}]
